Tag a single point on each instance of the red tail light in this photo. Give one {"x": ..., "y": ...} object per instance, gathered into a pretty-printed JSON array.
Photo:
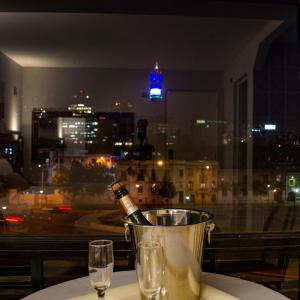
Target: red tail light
[
  {"x": 14, "y": 219},
  {"x": 65, "y": 208}
]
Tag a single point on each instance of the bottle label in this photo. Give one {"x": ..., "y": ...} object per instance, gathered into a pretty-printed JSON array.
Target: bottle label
[{"x": 128, "y": 205}]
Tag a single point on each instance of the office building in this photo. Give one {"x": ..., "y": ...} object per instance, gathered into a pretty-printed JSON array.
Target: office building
[
  {"x": 64, "y": 133},
  {"x": 194, "y": 181}
]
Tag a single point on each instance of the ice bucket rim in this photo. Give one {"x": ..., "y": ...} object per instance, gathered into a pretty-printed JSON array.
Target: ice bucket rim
[{"x": 210, "y": 217}]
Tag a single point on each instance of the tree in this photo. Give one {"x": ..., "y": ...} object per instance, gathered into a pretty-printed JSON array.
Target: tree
[
  {"x": 14, "y": 181},
  {"x": 167, "y": 188},
  {"x": 92, "y": 179},
  {"x": 260, "y": 188}
]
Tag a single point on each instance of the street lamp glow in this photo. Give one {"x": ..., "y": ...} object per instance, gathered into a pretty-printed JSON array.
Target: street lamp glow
[
  {"x": 207, "y": 167},
  {"x": 41, "y": 192},
  {"x": 160, "y": 162}
]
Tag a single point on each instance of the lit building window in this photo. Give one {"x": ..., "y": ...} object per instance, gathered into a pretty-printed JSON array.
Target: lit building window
[
  {"x": 190, "y": 185},
  {"x": 139, "y": 188}
]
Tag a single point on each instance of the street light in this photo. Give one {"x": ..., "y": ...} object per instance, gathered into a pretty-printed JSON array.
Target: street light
[
  {"x": 268, "y": 186},
  {"x": 160, "y": 162},
  {"x": 42, "y": 178}
]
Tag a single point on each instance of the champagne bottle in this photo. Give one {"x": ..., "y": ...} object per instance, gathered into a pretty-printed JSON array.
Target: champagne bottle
[{"x": 131, "y": 210}]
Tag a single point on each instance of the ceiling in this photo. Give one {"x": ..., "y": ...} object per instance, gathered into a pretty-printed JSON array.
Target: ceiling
[{"x": 123, "y": 41}]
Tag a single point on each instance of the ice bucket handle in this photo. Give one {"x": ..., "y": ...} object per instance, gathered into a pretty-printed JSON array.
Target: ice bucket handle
[
  {"x": 210, "y": 227},
  {"x": 127, "y": 232}
]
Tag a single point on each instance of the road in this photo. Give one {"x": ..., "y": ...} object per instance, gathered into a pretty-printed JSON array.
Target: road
[{"x": 238, "y": 217}]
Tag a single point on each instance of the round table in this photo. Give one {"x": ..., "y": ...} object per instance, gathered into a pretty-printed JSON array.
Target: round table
[{"x": 240, "y": 288}]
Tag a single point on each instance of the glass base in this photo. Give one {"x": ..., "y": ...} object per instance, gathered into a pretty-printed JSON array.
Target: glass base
[{"x": 100, "y": 293}]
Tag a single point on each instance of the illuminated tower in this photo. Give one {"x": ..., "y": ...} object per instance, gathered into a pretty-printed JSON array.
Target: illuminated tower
[
  {"x": 157, "y": 124},
  {"x": 156, "y": 84}
]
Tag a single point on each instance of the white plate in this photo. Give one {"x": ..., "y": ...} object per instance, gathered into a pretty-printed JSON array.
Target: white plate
[{"x": 131, "y": 292}]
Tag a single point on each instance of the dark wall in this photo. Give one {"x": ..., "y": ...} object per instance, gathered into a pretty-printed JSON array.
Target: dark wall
[{"x": 10, "y": 91}]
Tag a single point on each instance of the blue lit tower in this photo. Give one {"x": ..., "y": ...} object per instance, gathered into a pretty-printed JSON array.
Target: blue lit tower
[
  {"x": 157, "y": 121},
  {"x": 156, "y": 84}
]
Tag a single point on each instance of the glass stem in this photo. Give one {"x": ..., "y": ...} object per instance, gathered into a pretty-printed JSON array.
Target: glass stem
[{"x": 101, "y": 294}]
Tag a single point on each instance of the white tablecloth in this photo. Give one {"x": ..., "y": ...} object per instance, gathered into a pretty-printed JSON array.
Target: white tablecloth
[{"x": 242, "y": 289}]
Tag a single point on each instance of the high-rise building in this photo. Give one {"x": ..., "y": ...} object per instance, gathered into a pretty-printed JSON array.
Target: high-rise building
[
  {"x": 81, "y": 134},
  {"x": 79, "y": 130},
  {"x": 276, "y": 127}
]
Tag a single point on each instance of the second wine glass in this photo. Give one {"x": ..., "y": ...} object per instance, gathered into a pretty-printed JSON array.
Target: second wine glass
[
  {"x": 149, "y": 268},
  {"x": 101, "y": 264}
]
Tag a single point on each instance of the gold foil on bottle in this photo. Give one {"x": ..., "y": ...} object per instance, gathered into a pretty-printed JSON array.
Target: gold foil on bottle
[
  {"x": 128, "y": 205},
  {"x": 117, "y": 185}
]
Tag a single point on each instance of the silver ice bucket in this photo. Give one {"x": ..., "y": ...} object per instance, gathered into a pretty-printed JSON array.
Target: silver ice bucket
[{"x": 182, "y": 234}]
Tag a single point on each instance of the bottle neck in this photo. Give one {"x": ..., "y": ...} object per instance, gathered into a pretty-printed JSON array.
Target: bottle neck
[{"x": 121, "y": 192}]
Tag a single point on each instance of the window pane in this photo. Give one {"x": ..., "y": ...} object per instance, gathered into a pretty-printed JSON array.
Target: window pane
[{"x": 76, "y": 114}]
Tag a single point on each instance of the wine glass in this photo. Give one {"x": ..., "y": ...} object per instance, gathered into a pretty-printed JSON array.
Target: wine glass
[
  {"x": 149, "y": 268},
  {"x": 101, "y": 263}
]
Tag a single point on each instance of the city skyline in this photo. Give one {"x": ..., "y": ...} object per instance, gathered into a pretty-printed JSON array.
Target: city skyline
[
  {"x": 194, "y": 106},
  {"x": 208, "y": 94}
]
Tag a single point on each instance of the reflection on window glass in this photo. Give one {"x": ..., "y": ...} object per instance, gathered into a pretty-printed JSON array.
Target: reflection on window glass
[
  {"x": 217, "y": 128},
  {"x": 191, "y": 107}
]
